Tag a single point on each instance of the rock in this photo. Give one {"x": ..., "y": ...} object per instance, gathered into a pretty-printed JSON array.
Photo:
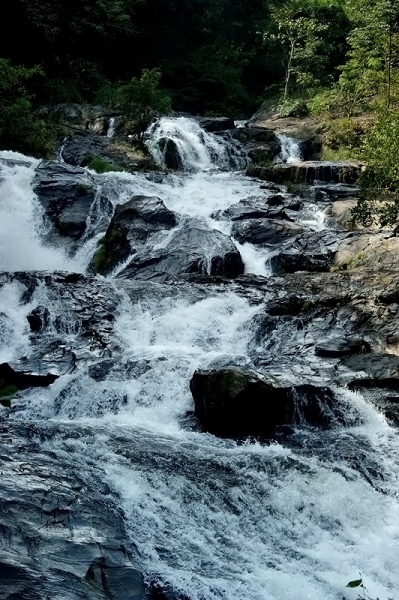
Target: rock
[
  {"x": 234, "y": 402},
  {"x": 333, "y": 192},
  {"x": 214, "y": 124},
  {"x": 255, "y": 134},
  {"x": 261, "y": 145},
  {"x": 338, "y": 347},
  {"x": 192, "y": 249},
  {"x": 131, "y": 226},
  {"x": 383, "y": 393},
  {"x": 373, "y": 251},
  {"x": 24, "y": 379},
  {"x": 313, "y": 252},
  {"x": 38, "y": 319},
  {"x": 308, "y": 172},
  {"x": 276, "y": 206},
  {"x": 67, "y": 194},
  {"x": 116, "y": 581},
  {"x": 341, "y": 214},
  {"x": 264, "y": 231},
  {"x": 263, "y": 153},
  {"x": 171, "y": 155}
]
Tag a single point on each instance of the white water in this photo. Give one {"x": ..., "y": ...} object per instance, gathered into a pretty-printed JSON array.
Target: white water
[
  {"x": 214, "y": 519},
  {"x": 198, "y": 149},
  {"x": 290, "y": 149},
  {"x": 111, "y": 128}
]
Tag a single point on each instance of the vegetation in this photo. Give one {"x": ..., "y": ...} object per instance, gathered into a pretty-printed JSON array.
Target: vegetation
[
  {"x": 337, "y": 59},
  {"x": 100, "y": 165}
]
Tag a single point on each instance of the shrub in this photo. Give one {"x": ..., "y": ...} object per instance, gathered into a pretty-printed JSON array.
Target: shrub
[
  {"x": 100, "y": 165},
  {"x": 379, "y": 183}
]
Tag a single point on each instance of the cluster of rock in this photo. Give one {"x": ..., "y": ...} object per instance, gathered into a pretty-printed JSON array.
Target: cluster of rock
[{"x": 324, "y": 314}]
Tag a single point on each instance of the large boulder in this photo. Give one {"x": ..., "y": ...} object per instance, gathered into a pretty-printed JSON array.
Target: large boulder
[
  {"x": 213, "y": 124},
  {"x": 264, "y": 231},
  {"x": 171, "y": 155},
  {"x": 67, "y": 194},
  {"x": 192, "y": 249},
  {"x": 274, "y": 206},
  {"x": 131, "y": 226},
  {"x": 234, "y": 402},
  {"x": 308, "y": 252}
]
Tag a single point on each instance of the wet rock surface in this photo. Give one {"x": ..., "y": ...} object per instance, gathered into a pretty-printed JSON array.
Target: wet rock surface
[
  {"x": 131, "y": 226},
  {"x": 68, "y": 195},
  {"x": 234, "y": 402},
  {"x": 308, "y": 172},
  {"x": 288, "y": 357},
  {"x": 274, "y": 206},
  {"x": 192, "y": 249},
  {"x": 264, "y": 231}
]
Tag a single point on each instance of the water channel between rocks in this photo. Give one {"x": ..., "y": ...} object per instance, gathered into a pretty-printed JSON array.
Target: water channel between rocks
[{"x": 106, "y": 468}]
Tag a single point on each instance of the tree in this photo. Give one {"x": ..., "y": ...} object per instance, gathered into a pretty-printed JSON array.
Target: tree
[
  {"x": 299, "y": 37},
  {"x": 20, "y": 129},
  {"x": 379, "y": 183},
  {"x": 143, "y": 99},
  {"x": 371, "y": 71}
]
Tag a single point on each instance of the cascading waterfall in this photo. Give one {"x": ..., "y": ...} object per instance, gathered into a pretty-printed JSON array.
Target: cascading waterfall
[
  {"x": 111, "y": 127},
  {"x": 290, "y": 149},
  {"x": 209, "y": 518},
  {"x": 197, "y": 149}
]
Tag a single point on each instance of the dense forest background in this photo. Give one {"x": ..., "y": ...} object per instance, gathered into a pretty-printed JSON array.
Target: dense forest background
[{"x": 337, "y": 59}]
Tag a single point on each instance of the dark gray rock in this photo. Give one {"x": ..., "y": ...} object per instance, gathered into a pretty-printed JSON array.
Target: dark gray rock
[
  {"x": 38, "y": 319},
  {"x": 308, "y": 172},
  {"x": 131, "y": 226},
  {"x": 192, "y": 249},
  {"x": 314, "y": 252},
  {"x": 338, "y": 347},
  {"x": 276, "y": 206},
  {"x": 67, "y": 194},
  {"x": 213, "y": 124},
  {"x": 234, "y": 402},
  {"x": 24, "y": 379},
  {"x": 117, "y": 581},
  {"x": 264, "y": 231},
  {"x": 255, "y": 134},
  {"x": 171, "y": 155}
]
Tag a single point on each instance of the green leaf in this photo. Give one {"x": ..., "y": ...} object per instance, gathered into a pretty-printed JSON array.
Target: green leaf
[
  {"x": 355, "y": 583},
  {"x": 5, "y": 402},
  {"x": 9, "y": 390}
]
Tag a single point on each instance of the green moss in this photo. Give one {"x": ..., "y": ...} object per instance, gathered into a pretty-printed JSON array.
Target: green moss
[
  {"x": 112, "y": 249},
  {"x": 98, "y": 164}
]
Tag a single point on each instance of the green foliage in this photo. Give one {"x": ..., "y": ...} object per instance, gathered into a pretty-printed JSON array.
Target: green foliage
[
  {"x": 370, "y": 72},
  {"x": 111, "y": 249},
  {"x": 6, "y": 393},
  {"x": 143, "y": 99},
  {"x": 299, "y": 36},
  {"x": 20, "y": 129},
  {"x": 379, "y": 198},
  {"x": 293, "y": 107},
  {"x": 359, "y": 583},
  {"x": 343, "y": 139},
  {"x": 100, "y": 165}
]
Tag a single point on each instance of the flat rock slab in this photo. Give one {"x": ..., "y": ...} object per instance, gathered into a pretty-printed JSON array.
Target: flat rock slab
[{"x": 308, "y": 172}]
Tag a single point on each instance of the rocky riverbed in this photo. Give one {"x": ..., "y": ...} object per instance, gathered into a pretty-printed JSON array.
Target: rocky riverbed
[{"x": 207, "y": 377}]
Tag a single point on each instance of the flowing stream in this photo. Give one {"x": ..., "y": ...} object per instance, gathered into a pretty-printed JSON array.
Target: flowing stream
[{"x": 209, "y": 518}]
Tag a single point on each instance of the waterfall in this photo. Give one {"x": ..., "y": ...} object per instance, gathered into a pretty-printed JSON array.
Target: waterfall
[
  {"x": 111, "y": 128},
  {"x": 108, "y": 466},
  {"x": 290, "y": 149},
  {"x": 195, "y": 148},
  {"x": 22, "y": 228}
]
